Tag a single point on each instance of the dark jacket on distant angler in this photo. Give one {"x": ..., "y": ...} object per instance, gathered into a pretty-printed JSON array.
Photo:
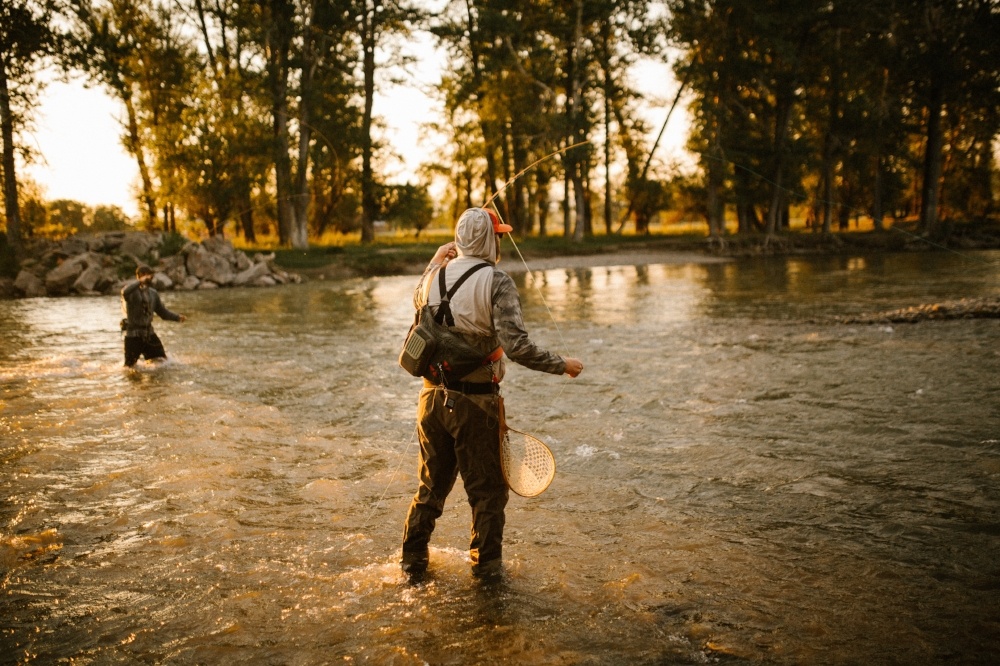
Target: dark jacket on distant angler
[{"x": 139, "y": 305}]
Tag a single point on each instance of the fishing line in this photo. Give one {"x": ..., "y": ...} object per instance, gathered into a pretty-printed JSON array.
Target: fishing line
[
  {"x": 489, "y": 202},
  {"x": 392, "y": 479},
  {"x": 534, "y": 283}
]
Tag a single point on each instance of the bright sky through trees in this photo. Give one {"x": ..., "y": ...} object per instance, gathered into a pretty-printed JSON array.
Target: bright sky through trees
[{"x": 78, "y": 133}]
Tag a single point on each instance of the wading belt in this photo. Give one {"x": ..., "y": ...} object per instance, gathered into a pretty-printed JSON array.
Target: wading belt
[{"x": 468, "y": 388}]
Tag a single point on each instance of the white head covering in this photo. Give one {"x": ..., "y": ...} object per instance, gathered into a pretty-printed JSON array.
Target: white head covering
[{"x": 474, "y": 236}]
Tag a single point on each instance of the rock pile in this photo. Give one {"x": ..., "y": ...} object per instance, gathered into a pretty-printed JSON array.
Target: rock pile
[
  {"x": 966, "y": 308},
  {"x": 103, "y": 263}
]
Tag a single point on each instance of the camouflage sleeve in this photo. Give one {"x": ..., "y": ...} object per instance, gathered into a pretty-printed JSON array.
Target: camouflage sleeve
[
  {"x": 418, "y": 293},
  {"x": 509, "y": 324}
]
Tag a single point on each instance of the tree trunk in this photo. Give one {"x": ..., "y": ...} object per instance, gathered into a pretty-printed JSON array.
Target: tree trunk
[
  {"x": 575, "y": 95},
  {"x": 368, "y": 206},
  {"x": 11, "y": 207},
  {"x": 542, "y": 193},
  {"x": 246, "y": 218},
  {"x": 878, "y": 201},
  {"x": 489, "y": 138},
  {"x": 282, "y": 169},
  {"x": 826, "y": 186},
  {"x": 519, "y": 201},
  {"x": 169, "y": 221},
  {"x": 715, "y": 178},
  {"x": 580, "y": 203},
  {"x": 508, "y": 206},
  {"x": 278, "y": 44},
  {"x": 878, "y": 205},
  {"x": 933, "y": 159},
  {"x": 300, "y": 226},
  {"x": 567, "y": 228},
  {"x": 830, "y": 139},
  {"x": 781, "y": 123},
  {"x": 135, "y": 147},
  {"x": 608, "y": 91}
]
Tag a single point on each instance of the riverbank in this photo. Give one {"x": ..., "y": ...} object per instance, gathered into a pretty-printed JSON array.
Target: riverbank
[
  {"x": 89, "y": 265},
  {"x": 410, "y": 257},
  {"x": 101, "y": 264},
  {"x": 539, "y": 255}
]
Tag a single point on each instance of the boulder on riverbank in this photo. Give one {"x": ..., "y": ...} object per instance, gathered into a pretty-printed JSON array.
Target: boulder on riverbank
[{"x": 97, "y": 264}]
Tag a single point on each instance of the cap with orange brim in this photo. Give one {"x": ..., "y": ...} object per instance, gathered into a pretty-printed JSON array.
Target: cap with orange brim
[{"x": 498, "y": 226}]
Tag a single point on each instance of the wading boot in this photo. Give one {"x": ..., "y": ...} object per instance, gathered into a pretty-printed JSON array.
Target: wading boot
[{"x": 414, "y": 565}]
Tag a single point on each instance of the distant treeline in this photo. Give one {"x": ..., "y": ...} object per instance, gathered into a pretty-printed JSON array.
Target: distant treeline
[{"x": 260, "y": 113}]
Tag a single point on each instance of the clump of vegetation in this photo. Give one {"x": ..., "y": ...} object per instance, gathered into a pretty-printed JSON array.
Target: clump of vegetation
[{"x": 173, "y": 243}]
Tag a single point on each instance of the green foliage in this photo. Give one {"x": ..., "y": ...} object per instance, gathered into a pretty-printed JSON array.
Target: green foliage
[
  {"x": 65, "y": 217},
  {"x": 172, "y": 244},
  {"x": 34, "y": 214},
  {"x": 109, "y": 218},
  {"x": 843, "y": 104},
  {"x": 27, "y": 38},
  {"x": 408, "y": 206},
  {"x": 259, "y": 113}
]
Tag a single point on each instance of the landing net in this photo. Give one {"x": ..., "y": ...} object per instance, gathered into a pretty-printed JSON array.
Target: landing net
[{"x": 528, "y": 465}]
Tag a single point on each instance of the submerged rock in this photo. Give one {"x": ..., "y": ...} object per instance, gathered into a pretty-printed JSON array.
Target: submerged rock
[{"x": 966, "y": 308}]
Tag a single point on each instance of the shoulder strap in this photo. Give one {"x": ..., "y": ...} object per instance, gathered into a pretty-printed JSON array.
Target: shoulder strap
[{"x": 443, "y": 315}]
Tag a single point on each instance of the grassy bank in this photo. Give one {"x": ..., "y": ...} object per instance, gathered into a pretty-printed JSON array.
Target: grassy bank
[
  {"x": 392, "y": 256},
  {"x": 395, "y": 255}
]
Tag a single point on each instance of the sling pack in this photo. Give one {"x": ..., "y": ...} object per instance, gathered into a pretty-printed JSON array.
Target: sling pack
[{"x": 431, "y": 349}]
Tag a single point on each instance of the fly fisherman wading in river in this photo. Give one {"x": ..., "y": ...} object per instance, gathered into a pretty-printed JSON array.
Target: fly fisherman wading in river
[
  {"x": 458, "y": 422},
  {"x": 139, "y": 302}
]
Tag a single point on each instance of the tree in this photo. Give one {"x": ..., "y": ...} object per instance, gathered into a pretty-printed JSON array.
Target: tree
[
  {"x": 114, "y": 41},
  {"x": 955, "y": 58},
  {"x": 27, "y": 38},
  {"x": 527, "y": 73},
  {"x": 377, "y": 22},
  {"x": 67, "y": 217},
  {"x": 214, "y": 150},
  {"x": 109, "y": 218},
  {"x": 407, "y": 206}
]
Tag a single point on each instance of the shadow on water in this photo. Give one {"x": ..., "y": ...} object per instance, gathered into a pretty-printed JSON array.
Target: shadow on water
[{"x": 736, "y": 483}]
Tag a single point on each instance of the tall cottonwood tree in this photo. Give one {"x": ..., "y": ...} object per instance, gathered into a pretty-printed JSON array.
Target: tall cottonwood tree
[
  {"x": 27, "y": 38},
  {"x": 843, "y": 94},
  {"x": 235, "y": 104},
  {"x": 952, "y": 55},
  {"x": 530, "y": 75},
  {"x": 116, "y": 39}
]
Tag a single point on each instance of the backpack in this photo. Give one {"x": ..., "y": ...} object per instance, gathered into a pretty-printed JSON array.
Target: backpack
[{"x": 431, "y": 350}]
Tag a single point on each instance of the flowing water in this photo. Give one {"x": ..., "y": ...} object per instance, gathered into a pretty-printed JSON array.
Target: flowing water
[{"x": 740, "y": 480}]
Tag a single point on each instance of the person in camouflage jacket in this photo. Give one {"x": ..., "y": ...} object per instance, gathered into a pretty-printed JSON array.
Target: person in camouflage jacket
[{"x": 458, "y": 418}]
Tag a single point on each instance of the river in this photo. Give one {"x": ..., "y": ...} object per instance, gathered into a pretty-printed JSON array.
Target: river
[{"x": 741, "y": 480}]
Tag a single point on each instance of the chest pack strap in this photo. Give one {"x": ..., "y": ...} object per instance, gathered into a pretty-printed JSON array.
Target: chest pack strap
[{"x": 444, "y": 315}]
